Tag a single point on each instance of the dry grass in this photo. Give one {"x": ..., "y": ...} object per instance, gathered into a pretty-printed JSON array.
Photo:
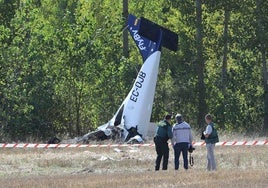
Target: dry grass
[{"x": 245, "y": 166}]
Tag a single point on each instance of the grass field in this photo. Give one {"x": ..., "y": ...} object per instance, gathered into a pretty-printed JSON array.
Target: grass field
[{"x": 238, "y": 166}]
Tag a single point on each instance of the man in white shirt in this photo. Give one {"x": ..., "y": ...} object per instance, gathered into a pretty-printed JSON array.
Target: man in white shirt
[{"x": 182, "y": 139}]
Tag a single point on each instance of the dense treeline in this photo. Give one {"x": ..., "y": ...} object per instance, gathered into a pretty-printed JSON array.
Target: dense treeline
[{"x": 64, "y": 69}]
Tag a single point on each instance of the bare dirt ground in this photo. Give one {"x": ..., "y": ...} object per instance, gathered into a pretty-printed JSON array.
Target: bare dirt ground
[{"x": 238, "y": 166}]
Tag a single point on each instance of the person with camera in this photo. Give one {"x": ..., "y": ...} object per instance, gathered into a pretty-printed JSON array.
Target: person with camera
[
  {"x": 163, "y": 134},
  {"x": 210, "y": 136},
  {"x": 182, "y": 141}
]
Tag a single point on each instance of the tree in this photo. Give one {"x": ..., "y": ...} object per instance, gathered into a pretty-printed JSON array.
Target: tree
[
  {"x": 64, "y": 68},
  {"x": 200, "y": 62},
  {"x": 125, "y": 31},
  {"x": 262, "y": 36}
]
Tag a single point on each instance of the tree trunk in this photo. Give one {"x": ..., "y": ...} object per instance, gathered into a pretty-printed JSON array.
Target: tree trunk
[
  {"x": 224, "y": 62},
  {"x": 78, "y": 99},
  {"x": 265, "y": 79},
  {"x": 125, "y": 32},
  {"x": 260, "y": 6},
  {"x": 202, "y": 106}
]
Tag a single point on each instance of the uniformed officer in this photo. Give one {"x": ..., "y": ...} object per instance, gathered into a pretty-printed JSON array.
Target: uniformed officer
[{"x": 163, "y": 134}]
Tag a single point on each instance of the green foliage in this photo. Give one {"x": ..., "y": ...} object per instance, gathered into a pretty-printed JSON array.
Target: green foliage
[{"x": 62, "y": 69}]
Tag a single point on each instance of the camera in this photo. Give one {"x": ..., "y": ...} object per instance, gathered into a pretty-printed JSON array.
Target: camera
[
  {"x": 202, "y": 136},
  {"x": 191, "y": 149}
]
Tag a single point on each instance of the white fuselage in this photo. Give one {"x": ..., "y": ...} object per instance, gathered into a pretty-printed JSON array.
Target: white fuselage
[{"x": 139, "y": 102}]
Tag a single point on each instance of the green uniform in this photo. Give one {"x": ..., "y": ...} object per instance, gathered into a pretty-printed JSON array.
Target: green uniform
[{"x": 163, "y": 133}]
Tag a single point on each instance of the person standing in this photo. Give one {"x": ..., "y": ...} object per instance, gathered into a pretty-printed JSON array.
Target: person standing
[
  {"x": 163, "y": 134},
  {"x": 211, "y": 138},
  {"x": 182, "y": 140}
]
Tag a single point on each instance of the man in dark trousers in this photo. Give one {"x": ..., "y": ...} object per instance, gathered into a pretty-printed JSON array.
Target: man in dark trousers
[
  {"x": 182, "y": 140},
  {"x": 163, "y": 134}
]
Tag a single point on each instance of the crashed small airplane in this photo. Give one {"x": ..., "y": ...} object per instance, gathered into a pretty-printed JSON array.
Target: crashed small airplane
[{"x": 131, "y": 120}]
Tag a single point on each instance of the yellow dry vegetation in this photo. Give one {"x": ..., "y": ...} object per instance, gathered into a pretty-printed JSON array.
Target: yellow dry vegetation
[{"x": 238, "y": 166}]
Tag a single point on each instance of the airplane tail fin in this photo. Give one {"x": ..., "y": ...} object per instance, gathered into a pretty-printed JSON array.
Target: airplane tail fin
[
  {"x": 150, "y": 37},
  {"x": 151, "y": 31}
]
